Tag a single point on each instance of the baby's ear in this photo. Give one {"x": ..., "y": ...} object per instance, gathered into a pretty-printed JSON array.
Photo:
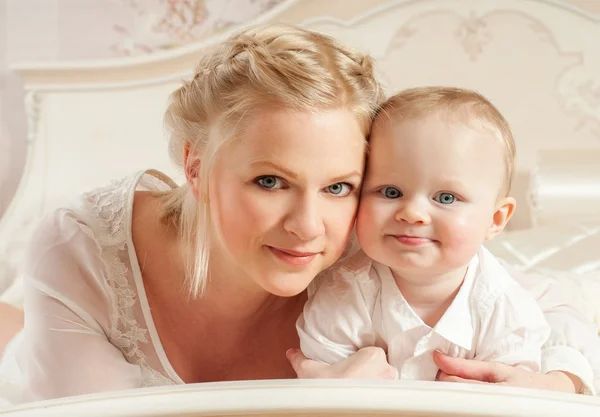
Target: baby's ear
[{"x": 504, "y": 211}]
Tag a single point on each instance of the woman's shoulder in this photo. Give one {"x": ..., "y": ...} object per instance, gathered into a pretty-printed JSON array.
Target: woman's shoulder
[
  {"x": 101, "y": 215},
  {"x": 106, "y": 209}
]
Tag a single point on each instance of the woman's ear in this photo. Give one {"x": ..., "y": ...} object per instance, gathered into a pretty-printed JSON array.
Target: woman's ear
[
  {"x": 504, "y": 211},
  {"x": 191, "y": 164}
]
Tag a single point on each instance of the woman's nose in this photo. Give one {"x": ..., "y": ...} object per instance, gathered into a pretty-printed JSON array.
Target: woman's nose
[{"x": 305, "y": 220}]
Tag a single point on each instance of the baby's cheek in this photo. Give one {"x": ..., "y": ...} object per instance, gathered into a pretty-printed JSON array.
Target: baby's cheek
[
  {"x": 365, "y": 216},
  {"x": 463, "y": 238}
]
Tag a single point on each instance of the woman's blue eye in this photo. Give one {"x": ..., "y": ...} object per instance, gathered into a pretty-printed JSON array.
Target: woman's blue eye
[
  {"x": 445, "y": 198},
  {"x": 340, "y": 189},
  {"x": 269, "y": 182},
  {"x": 391, "y": 192}
]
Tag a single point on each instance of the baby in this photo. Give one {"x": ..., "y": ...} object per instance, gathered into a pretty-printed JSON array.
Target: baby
[{"x": 436, "y": 187}]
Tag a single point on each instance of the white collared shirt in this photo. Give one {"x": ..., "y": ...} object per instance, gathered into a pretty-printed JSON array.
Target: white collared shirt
[{"x": 492, "y": 318}]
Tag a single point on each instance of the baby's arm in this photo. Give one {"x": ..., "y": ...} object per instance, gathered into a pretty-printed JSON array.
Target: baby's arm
[
  {"x": 336, "y": 321},
  {"x": 513, "y": 331}
]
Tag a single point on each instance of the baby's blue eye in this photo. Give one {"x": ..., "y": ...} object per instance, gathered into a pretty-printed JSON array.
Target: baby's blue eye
[
  {"x": 269, "y": 182},
  {"x": 340, "y": 189},
  {"x": 445, "y": 198},
  {"x": 391, "y": 192}
]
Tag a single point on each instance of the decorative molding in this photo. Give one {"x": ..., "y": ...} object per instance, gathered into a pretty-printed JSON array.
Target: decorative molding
[
  {"x": 171, "y": 24},
  {"x": 33, "y": 103},
  {"x": 131, "y": 70},
  {"x": 172, "y": 64},
  {"x": 472, "y": 32},
  {"x": 473, "y": 35},
  {"x": 561, "y": 4},
  {"x": 579, "y": 91},
  {"x": 577, "y": 85},
  {"x": 115, "y": 85},
  {"x": 401, "y": 37},
  {"x": 385, "y": 8}
]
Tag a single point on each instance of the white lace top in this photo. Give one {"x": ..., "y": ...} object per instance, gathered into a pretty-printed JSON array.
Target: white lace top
[{"x": 89, "y": 327}]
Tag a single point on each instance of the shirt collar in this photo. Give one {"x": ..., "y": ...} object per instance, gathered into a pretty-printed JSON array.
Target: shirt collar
[
  {"x": 456, "y": 325},
  {"x": 398, "y": 316}
]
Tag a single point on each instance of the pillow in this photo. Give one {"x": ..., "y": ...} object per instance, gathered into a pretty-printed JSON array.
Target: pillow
[
  {"x": 565, "y": 186},
  {"x": 568, "y": 252}
]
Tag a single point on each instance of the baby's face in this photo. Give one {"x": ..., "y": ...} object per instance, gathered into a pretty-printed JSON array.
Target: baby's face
[{"x": 429, "y": 195}]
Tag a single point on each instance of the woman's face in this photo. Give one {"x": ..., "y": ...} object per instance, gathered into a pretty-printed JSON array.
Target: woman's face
[{"x": 283, "y": 197}]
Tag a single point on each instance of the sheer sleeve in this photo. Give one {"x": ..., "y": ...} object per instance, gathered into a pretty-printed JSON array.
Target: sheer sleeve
[
  {"x": 573, "y": 345},
  {"x": 68, "y": 315}
]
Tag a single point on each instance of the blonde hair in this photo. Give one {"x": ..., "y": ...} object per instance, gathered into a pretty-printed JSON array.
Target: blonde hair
[
  {"x": 262, "y": 66},
  {"x": 468, "y": 105}
]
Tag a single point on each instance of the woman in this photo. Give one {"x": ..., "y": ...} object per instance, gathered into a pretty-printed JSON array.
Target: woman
[{"x": 271, "y": 134}]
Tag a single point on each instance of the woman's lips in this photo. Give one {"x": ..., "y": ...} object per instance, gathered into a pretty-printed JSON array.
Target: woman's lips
[{"x": 293, "y": 257}]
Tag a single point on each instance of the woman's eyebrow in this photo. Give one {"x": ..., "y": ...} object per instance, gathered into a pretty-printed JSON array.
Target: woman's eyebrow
[
  {"x": 276, "y": 167},
  {"x": 348, "y": 176}
]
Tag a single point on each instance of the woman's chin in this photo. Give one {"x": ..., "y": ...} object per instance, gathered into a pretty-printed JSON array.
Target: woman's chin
[{"x": 287, "y": 285}]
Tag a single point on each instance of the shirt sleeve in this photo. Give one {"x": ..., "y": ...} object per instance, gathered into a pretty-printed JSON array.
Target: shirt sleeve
[
  {"x": 514, "y": 331},
  {"x": 68, "y": 306},
  {"x": 336, "y": 321},
  {"x": 573, "y": 345}
]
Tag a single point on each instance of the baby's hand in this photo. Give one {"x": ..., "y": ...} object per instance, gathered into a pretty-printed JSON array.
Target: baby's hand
[{"x": 367, "y": 363}]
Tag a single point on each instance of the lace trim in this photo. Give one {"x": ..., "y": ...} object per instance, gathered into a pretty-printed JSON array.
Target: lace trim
[{"x": 108, "y": 204}]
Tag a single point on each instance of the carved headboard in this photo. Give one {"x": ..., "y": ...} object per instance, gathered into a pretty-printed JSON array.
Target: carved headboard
[{"x": 537, "y": 60}]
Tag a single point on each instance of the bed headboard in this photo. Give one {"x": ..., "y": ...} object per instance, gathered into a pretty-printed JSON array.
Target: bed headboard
[{"x": 538, "y": 60}]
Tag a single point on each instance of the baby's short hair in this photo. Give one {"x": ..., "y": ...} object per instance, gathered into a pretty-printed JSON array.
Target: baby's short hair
[{"x": 470, "y": 106}]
